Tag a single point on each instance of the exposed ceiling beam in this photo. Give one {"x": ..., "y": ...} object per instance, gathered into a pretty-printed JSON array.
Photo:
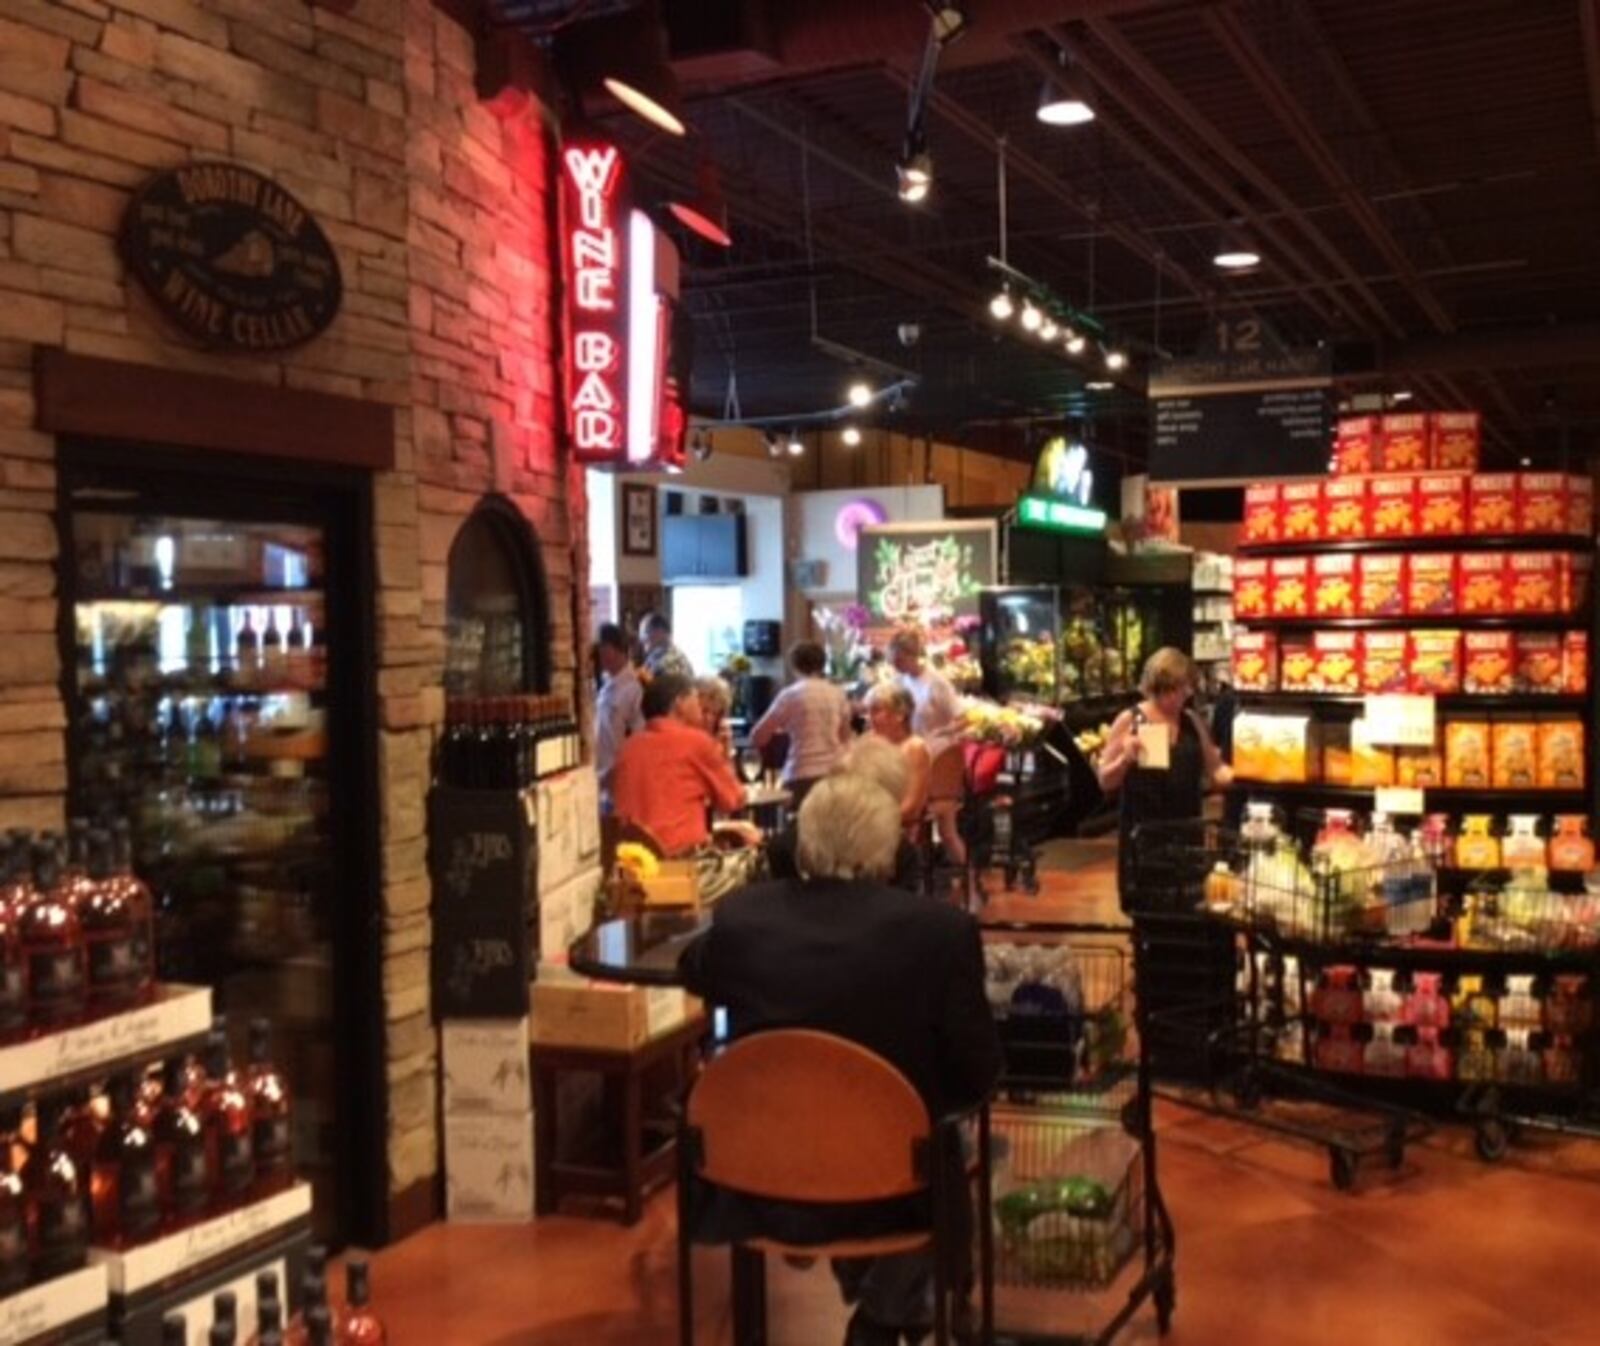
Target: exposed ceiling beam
[{"x": 1573, "y": 345}]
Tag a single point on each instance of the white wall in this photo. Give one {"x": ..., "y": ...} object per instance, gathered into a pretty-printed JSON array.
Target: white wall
[{"x": 812, "y": 516}]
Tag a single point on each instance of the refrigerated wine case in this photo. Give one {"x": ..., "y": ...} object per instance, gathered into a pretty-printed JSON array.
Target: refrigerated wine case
[{"x": 217, "y": 661}]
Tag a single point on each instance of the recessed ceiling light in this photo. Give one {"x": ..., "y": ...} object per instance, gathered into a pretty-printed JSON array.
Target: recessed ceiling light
[
  {"x": 1031, "y": 317},
  {"x": 860, "y": 393},
  {"x": 851, "y": 437},
  {"x": 1001, "y": 306}
]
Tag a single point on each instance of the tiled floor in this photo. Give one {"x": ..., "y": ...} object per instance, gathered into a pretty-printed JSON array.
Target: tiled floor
[{"x": 1447, "y": 1251}]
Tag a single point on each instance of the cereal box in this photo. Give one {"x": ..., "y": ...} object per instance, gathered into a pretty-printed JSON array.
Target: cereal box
[
  {"x": 1487, "y": 662},
  {"x": 1575, "y": 663},
  {"x": 1300, "y": 510},
  {"x": 1291, "y": 587},
  {"x": 1355, "y": 445},
  {"x": 1576, "y": 571},
  {"x": 1380, "y": 585},
  {"x": 1370, "y": 765},
  {"x": 1249, "y": 746},
  {"x": 1561, "y": 755},
  {"x": 1538, "y": 662},
  {"x": 1251, "y": 576},
  {"x": 1442, "y": 504},
  {"x": 1255, "y": 661},
  {"x": 1482, "y": 583},
  {"x": 1492, "y": 504},
  {"x": 1515, "y": 755},
  {"x": 1296, "y": 664},
  {"x": 1385, "y": 661},
  {"x": 1261, "y": 514},
  {"x": 1419, "y": 768},
  {"x": 1431, "y": 584},
  {"x": 1336, "y": 666},
  {"x": 1403, "y": 443},
  {"x": 1435, "y": 662},
  {"x": 1344, "y": 508},
  {"x": 1333, "y": 585},
  {"x": 1288, "y": 747},
  {"x": 1580, "y": 506},
  {"x": 1336, "y": 754},
  {"x": 1466, "y": 754},
  {"x": 1536, "y": 581},
  {"x": 1541, "y": 502},
  {"x": 1392, "y": 507},
  {"x": 1455, "y": 439}
]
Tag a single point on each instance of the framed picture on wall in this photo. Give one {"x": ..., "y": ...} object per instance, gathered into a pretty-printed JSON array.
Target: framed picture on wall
[{"x": 638, "y": 520}]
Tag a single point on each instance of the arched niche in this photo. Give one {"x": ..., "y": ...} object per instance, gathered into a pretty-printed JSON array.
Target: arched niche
[{"x": 497, "y": 606}]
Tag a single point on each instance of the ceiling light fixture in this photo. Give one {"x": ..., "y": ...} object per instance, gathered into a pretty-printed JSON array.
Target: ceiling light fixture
[
  {"x": 1048, "y": 331},
  {"x": 636, "y": 71},
  {"x": 1031, "y": 317},
  {"x": 705, "y": 210},
  {"x": 774, "y": 448},
  {"x": 1062, "y": 101},
  {"x": 851, "y": 437},
  {"x": 860, "y": 393},
  {"x": 1236, "y": 250},
  {"x": 1099, "y": 385},
  {"x": 1115, "y": 360},
  {"x": 1076, "y": 342},
  {"x": 796, "y": 448},
  {"x": 1403, "y": 395},
  {"x": 950, "y": 20},
  {"x": 914, "y": 171},
  {"x": 1001, "y": 306}
]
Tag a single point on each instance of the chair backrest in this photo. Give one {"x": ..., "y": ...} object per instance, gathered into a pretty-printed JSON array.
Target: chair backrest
[
  {"x": 797, "y": 1115},
  {"x": 947, "y": 774}
]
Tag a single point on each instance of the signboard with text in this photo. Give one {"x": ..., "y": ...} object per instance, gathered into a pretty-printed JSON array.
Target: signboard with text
[{"x": 924, "y": 573}]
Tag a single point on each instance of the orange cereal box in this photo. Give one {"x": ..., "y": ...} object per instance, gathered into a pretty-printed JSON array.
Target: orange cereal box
[
  {"x": 1577, "y": 569},
  {"x": 1261, "y": 514},
  {"x": 1381, "y": 585},
  {"x": 1486, "y": 662},
  {"x": 1466, "y": 754},
  {"x": 1255, "y": 661},
  {"x": 1492, "y": 504},
  {"x": 1291, "y": 587},
  {"x": 1344, "y": 508},
  {"x": 1385, "y": 661},
  {"x": 1403, "y": 443},
  {"x": 1561, "y": 755},
  {"x": 1333, "y": 585},
  {"x": 1336, "y": 754},
  {"x": 1515, "y": 754},
  {"x": 1431, "y": 584},
  {"x": 1435, "y": 665},
  {"x": 1251, "y": 577},
  {"x": 1296, "y": 664},
  {"x": 1455, "y": 439},
  {"x": 1419, "y": 768},
  {"x": 1580, "y": 506},
  {"x": 1370, "y": 765},
  {"x": 1536, "y": 581},
  {"x": 1355, "y": 445},
  {"x": 1482, "y": 583},
  {"x": 1541, "y": 502},
  {"x": 1539, "y": 662},
  {"x": 1392, "y": 507},
  {"x": 1442, "y": 504},
  {"x": 1575, "y": 663},
  {"x": 1300, "y": 511},
  {"x": 1336, "y": 662}
]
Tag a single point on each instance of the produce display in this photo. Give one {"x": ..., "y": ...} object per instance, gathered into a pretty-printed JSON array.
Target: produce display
[{"x": 1068, "y": 647}]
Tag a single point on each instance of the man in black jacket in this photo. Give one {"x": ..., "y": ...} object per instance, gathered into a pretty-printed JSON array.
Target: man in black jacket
[{"x": 840, "y": 951}]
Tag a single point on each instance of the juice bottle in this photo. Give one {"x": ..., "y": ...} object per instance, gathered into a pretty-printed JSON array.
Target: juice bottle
[
  {"x": 1476, "y": 847},
  {"x": 127, "y": 1199},
  {"x": 1570, "y": 845},
  {"x": 273, "y": 1138},
  {"x": 57, "y": 1197},
  {"x": 224, "y": 1110},
  {"x": 1522, "y": 847}
]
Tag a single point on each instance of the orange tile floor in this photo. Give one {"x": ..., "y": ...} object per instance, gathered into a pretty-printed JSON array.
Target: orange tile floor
[{"x": 1446, "y": 1251}]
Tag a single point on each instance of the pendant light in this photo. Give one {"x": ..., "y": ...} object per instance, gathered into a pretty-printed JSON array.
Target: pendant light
[
  {"x": 705, "y": 210},
  {"x": 1063, "y": 100},
  {"x": 626, "y": 55}
]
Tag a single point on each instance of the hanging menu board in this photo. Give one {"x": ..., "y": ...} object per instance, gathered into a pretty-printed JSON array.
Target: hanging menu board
[
  {"x": 1245, "y": 412},
  {"x": 924, "y": 573}
]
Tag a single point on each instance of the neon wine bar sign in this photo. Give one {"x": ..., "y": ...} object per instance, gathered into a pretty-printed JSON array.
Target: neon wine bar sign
[{"x": 617, "y": 329}]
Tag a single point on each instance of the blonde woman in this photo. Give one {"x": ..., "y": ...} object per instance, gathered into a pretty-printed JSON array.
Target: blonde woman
[
  {"x": 889, "y": 710},
  {"x": 716, "y": 698},
  {"x": 1157, "y": 785}
]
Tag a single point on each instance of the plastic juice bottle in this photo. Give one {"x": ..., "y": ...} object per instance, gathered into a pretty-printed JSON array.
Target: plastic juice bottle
[
  {"x": 1523, "y": 847},
  {"x": 1570, "y": 845},
  {"x": 1477, "y": 847}
]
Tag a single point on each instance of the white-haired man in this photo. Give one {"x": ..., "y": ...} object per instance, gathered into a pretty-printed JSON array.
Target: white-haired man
[{"x": 840, "y": 951}]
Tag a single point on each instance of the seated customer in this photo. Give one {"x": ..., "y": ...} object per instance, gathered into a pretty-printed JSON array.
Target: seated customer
[
  {"x": 671, "y": 774},
  {"x": 842, "y": 952},
  {"x": 889, "y": 710}
]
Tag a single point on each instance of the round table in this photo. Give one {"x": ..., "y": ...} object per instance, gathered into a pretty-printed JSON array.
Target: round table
[{"x": 641, "y": 950}]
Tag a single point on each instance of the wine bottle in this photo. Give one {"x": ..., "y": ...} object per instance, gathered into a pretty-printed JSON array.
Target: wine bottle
[
  {"x": 82, "y": 1125},
  {"x": 114, "y": 944},
  {"x": 127, "y": 1199},
  {"x": 359, "y": 1325},
  {"x": 174, "y": 1330},
  {"x": 224, "y": 1110},
  {"x": 181, "y": 1158},
  {"x": 52, "y": 943},
  {"x": 269, "y": 1310},
  {"x": 141, "y": 906},
  {"x": 319, "y": 1326},
  {"x": 14, "y": 1267},
  {"x": 272, "y": 1135},
  {"x": 247, "y": 652},
  {"x": 13, "y": 958},
  {"x": 54, "y": 1188}
]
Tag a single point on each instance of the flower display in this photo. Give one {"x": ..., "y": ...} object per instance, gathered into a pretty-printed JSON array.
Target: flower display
[{"x": 1007, "y": 726}]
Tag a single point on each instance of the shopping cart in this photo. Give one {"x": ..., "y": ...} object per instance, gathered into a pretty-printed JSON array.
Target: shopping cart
[{"x": 1073, "y": 1206}]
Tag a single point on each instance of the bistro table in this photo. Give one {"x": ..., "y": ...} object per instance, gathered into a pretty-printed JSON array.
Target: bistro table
[{"x": 641, "y": 950}]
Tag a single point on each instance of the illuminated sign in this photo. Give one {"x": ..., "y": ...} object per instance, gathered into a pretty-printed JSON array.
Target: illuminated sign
[
  {"x": 1062, "y": 472},
  {"x": 1062, "y": 516},
  {"x": 853, "y": 517}
]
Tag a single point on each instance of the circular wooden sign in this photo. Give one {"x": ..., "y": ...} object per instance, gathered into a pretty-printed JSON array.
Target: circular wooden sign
[{"x": 231, "y": 257}]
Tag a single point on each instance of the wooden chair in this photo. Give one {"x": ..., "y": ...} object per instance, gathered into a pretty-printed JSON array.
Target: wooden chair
[{"x": 794, "y": 1115}]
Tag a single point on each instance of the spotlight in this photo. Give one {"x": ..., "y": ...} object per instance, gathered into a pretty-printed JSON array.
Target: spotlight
[
  {"x": 914, "y": 175},
  {"x": 1048, "y": 330},
  {"x": 1062, "y": 101},
  {"x": 950, "y": 20},
  {"x": 851, "y": 437},
  {"x": 705, "y": 210},
  {"x": 1001, "y": 306},
  {"x": 1404, "y": 395},
  {"x": 636, "y": 69},
  {"x": 1099, "y": 385},
  {"x": 700, "y": 450},
  {"x": 860, "y": 393},
  {"x": 1526, "y": 462},
  {"x": 1031, "y": 317},
  {"x": 1115, "y": 360},
  {"x": 774, "y": 448},
  {"x": 795, "y": 447},
  {"x": 1076, "y": 341},
  {"x": 1236, "y": 250}
]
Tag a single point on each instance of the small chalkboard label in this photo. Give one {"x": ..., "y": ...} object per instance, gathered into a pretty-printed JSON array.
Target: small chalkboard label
[{"x": 231, "y": 257}]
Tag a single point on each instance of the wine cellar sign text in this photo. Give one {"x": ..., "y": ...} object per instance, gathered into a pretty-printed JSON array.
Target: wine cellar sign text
[{"x": 232, "y": 258}]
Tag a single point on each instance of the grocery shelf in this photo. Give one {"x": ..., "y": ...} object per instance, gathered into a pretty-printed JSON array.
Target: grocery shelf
[
  {"x": 1532, "y": 702},
  {"x": 1438, "y": 798},
  {"x": 1531, "y": 621},
  {"x": 1412, "y": 545}
]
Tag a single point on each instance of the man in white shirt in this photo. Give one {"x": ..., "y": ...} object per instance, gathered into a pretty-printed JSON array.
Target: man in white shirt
[
  {"x": 816, "y": 717},
  {"x": 936, "y": 720},
  {"x": 617, "y": 709}
]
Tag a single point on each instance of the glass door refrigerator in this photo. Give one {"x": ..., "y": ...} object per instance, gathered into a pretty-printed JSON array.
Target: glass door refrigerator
[{"x": 215, "y": 663}]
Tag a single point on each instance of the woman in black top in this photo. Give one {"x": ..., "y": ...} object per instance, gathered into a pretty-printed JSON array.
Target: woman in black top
[{"x": 1151, "y": 792}]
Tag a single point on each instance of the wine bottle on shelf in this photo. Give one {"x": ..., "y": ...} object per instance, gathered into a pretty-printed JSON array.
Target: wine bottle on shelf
[
  {"x": 181, "y": 1160},
  {"x": 174, "y": 1330},
  {"x": 55, "y": 1192},
  {"x": 14, "y": 1269},
  {"x": 247, "y": 652},
  {"x": 140, "y": 903},
  {"x": 82, "y": 1125},
  {"x": 272, "y": 1135},
  {"x": 52, "y": 943},
  {"x": 313, "y": 1297},
  {"x": 206, "y": 759},
  {"x": 127, "y": 1199},
  {"x": 119, "y": 974},
  {"x": 319, "y": 1326},
  {"x": 75, "y": 872},
  {"x": 269, "y": 1310},
  {"x": 274, "y": 652},
  {"x": 13, "y": 957},
  {"x": 223, "y": 1334},
  {"x": 359, "y": 1325},
  {"x": 224, "y": 1110},
  {"x": 225, "y": 1309},
  {"x": 297, "y": 652}
]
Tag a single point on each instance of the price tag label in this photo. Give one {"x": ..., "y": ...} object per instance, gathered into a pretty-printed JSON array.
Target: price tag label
[
  {"x": 1398, "y": 800},
  {"x": 1401, "y": 721}
]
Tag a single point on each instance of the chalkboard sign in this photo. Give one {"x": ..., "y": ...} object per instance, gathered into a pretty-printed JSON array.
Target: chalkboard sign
[
  {"x": 231, "y": 257},
  {"x": 923, "y": 574},
  {"x": 1236, "y": 438}
]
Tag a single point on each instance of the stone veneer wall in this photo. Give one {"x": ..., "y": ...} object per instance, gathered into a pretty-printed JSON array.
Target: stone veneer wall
[{"x": 438, "y": 212}]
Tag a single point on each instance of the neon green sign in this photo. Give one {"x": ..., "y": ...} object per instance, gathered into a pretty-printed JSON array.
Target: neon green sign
[{"x": 1060, "y": 515}]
